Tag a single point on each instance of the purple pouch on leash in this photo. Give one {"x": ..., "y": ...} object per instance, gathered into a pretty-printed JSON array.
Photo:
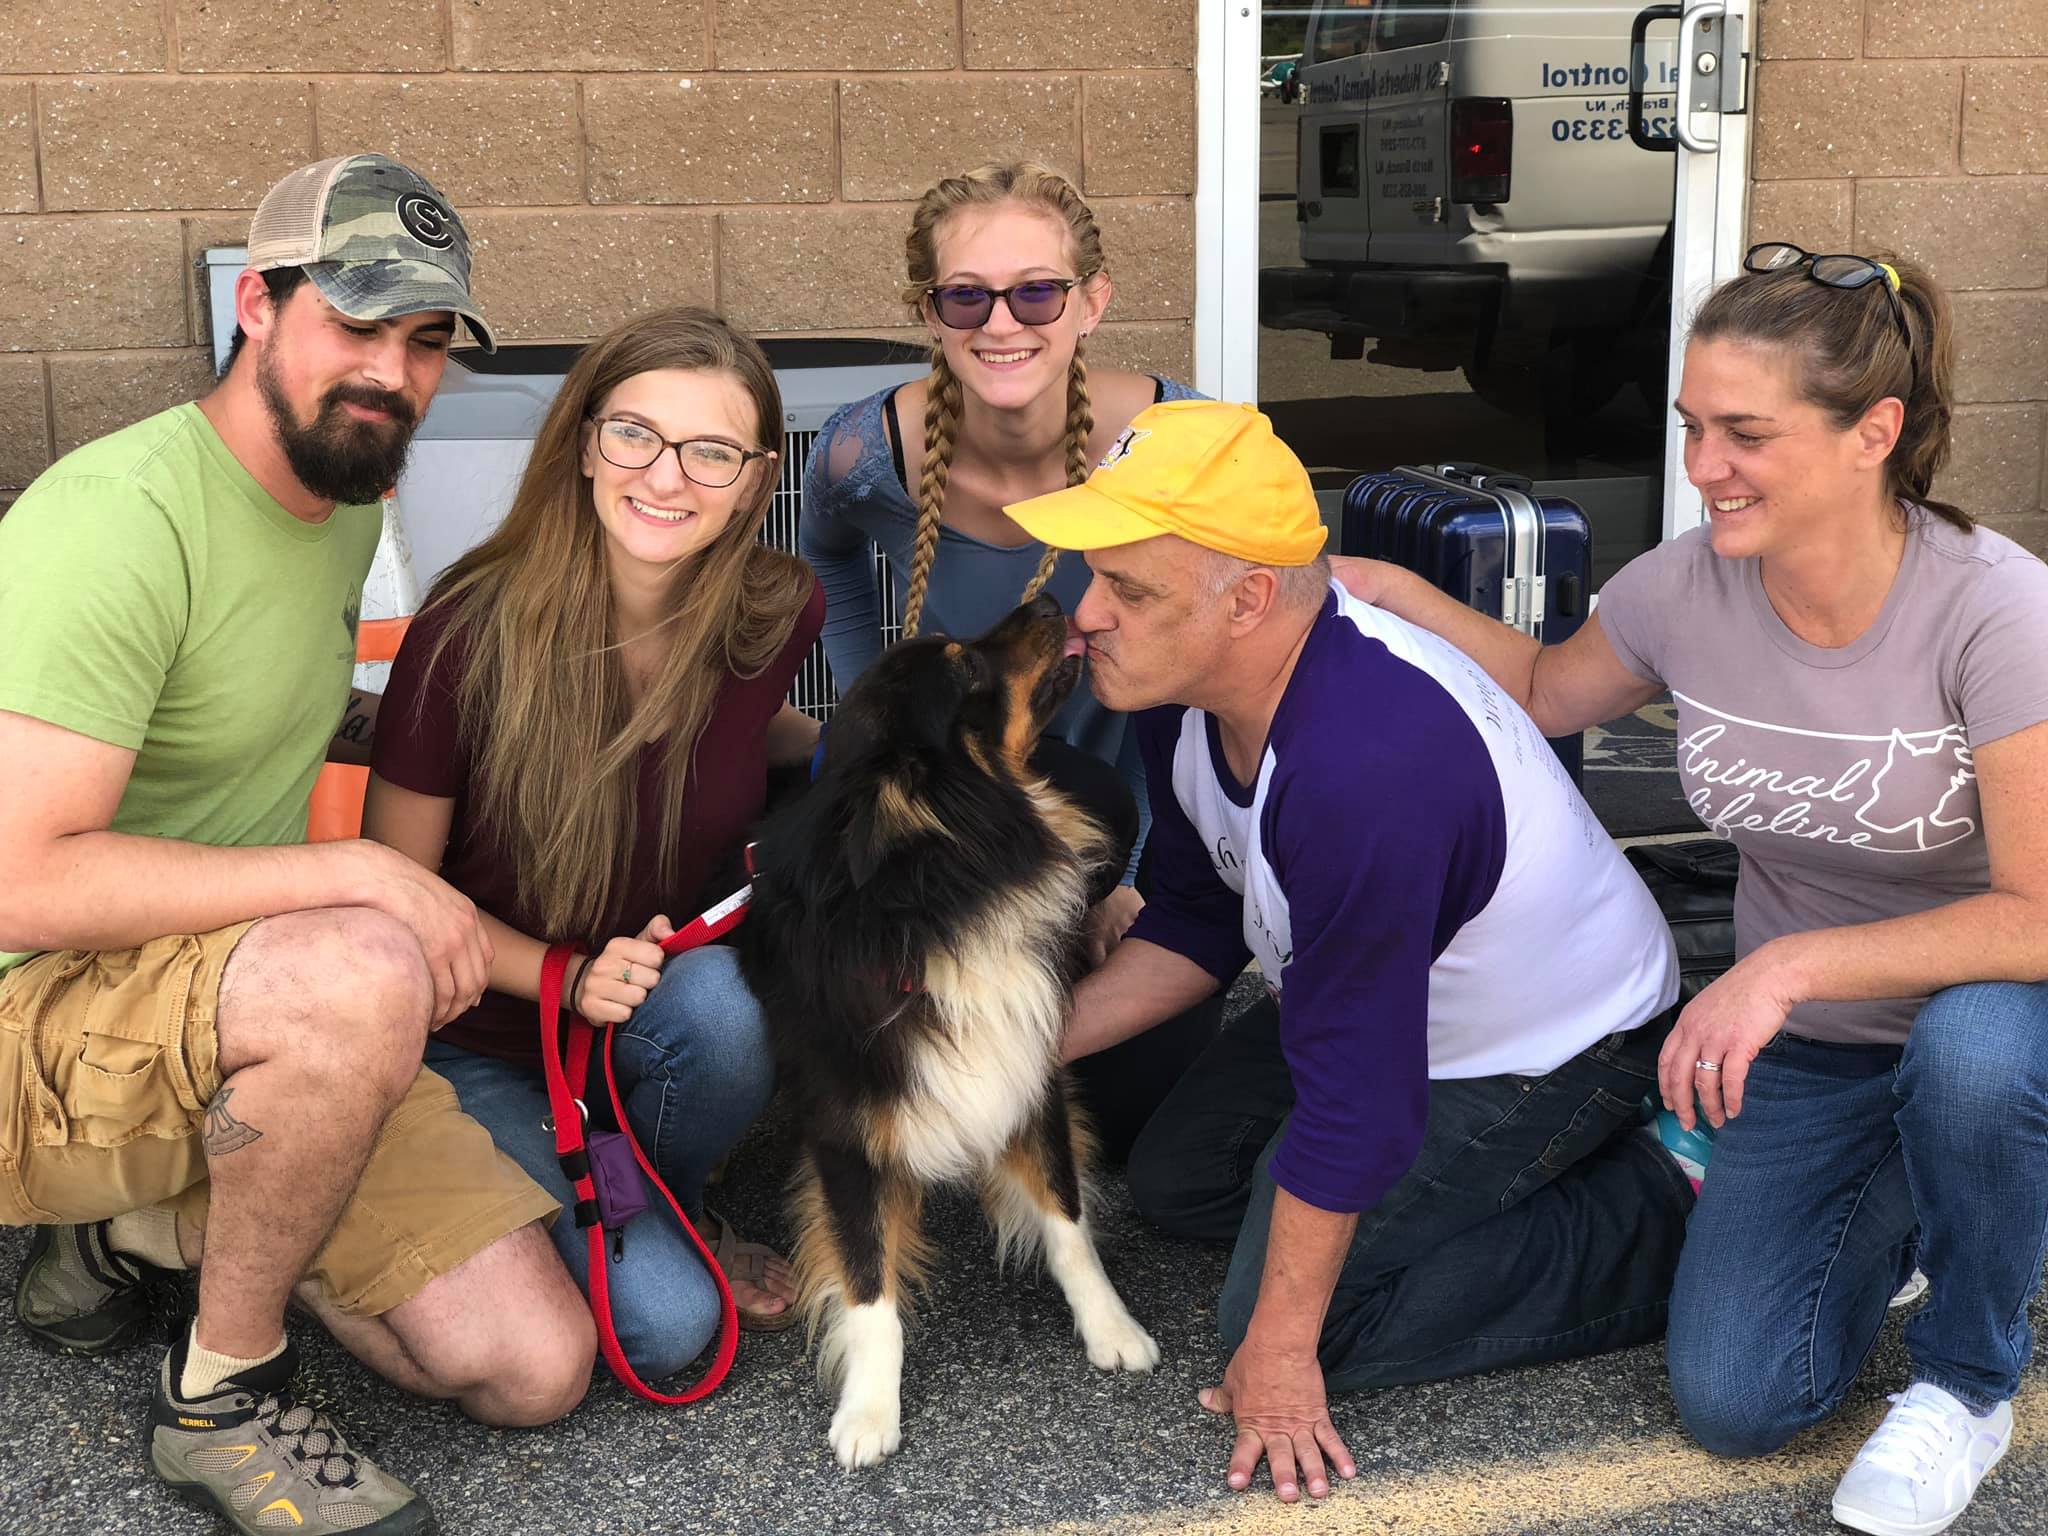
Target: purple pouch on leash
[{"x": 621, "y": 1193}]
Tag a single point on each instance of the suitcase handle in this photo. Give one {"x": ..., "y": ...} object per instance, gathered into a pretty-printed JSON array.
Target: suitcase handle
[
  {"x": 1522, "y": 585},
  {"x": 1482, "y": 476}
]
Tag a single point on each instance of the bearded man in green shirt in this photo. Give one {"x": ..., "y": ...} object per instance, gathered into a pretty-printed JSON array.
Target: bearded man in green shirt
[{"x": 211, "y": 1031}]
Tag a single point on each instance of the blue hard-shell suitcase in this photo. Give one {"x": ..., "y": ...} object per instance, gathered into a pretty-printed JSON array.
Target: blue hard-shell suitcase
[{"x": 1485, "y": 537}]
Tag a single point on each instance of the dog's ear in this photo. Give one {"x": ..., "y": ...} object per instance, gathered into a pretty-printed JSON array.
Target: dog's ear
[
  {"x": 865, "y": 847},
  {"x": 933, "y": 695},
  {"x": 895, "y": 814}
]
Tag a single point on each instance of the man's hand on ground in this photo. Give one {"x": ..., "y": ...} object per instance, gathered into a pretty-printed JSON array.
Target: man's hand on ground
[
  {"x": 441, "y": 918},
  {"x": 1283, "y": 1418}
]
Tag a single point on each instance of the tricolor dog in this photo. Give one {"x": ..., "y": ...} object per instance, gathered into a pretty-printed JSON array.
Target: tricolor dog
[{"x": 915, "y": 930}]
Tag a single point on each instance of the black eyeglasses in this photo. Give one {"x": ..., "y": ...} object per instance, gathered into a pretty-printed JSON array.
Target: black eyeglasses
[
  {"x": 710, "y": 461},
  {"x": 1850, "y": 272},
  {"x": 964, "y": 307}
]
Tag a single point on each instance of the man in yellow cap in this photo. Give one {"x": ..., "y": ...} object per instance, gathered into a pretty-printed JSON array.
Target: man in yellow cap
[{"x": 1423, "y": 1144}]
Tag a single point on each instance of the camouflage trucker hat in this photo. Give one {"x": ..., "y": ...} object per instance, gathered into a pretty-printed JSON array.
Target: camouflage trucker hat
[{"x": 373, "y": 236}]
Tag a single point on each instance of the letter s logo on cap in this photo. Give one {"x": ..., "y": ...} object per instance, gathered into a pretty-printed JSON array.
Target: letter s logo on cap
[
  {"x": 426, "y": 221},
  {"x": 1120, "y": 450}
]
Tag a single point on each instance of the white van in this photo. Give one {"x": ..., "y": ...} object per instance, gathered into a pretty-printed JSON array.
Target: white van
[{"x": 1468, "y": 194}]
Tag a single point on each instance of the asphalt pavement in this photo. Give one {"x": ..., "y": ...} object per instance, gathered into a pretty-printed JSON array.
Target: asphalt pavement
[{"x": 1007, "y": 1428}]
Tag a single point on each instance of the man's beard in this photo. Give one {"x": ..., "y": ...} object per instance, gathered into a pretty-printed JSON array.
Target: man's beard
[{"x": 338, "y": 457}]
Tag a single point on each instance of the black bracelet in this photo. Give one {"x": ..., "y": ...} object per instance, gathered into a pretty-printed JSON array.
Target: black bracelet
[{"x": 576, "y": 986}]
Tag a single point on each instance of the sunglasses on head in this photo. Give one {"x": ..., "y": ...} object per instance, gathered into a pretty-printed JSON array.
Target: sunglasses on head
[
  {"x": 1850, "y": 272},
  {"x": 967, "y": 306}
]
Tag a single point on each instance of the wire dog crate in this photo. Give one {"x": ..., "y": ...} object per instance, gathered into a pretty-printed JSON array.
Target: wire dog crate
[{"x": 813, "y": 691}]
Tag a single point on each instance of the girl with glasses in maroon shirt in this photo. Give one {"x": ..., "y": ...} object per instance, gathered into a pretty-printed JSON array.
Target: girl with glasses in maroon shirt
[{"x": 578, "y": 735}]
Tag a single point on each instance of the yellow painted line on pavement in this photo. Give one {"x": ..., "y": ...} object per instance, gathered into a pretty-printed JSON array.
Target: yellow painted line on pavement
[{"x": 1612, "y": 1478}]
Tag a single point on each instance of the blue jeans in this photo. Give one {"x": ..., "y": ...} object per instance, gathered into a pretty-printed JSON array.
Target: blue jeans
[
  {"x": 1847, "y": 1165},
  {"x": 1533, "y": 1225},
  {"x": 694, "y": 1070}
]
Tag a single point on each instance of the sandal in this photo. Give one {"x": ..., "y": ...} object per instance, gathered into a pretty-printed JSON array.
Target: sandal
[{"x": 746, "y": 1261}]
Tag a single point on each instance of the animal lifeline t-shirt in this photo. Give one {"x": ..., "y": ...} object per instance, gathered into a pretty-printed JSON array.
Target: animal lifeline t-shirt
[{"x": 1844, "y": 775}]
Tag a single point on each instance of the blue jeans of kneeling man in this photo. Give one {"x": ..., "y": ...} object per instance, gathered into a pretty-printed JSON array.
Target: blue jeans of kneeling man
[
  {"x": 1847, "y": 1165},
  {"x": 694, "y": 1070},
  {"x": 1534, "y": 1224}
]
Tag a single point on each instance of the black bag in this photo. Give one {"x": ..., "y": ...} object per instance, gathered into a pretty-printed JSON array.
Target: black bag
[{"x": 1694, "y": 883}]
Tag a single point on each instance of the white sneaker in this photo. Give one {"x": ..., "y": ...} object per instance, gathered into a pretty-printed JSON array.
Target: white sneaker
[
  {"x": 1918, "y": 1471},
  {"x": 1914, "y": 1288}
]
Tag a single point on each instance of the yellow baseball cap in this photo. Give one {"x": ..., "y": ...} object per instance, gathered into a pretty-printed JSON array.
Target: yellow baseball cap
[{"x": 1210, "y": 472}]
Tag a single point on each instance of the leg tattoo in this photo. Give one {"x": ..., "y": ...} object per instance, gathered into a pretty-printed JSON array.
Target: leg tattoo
[{"x": 224, "y": 1133}]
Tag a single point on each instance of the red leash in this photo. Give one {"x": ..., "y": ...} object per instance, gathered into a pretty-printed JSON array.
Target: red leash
[{"x": 567, "y": 1065}]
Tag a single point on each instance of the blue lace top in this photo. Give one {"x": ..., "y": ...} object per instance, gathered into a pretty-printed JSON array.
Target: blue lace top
[{"x": 853, "y": 497}]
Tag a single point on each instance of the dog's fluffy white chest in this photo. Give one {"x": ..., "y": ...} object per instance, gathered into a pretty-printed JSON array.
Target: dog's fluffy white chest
[{"x": 1002, "y": 1006}]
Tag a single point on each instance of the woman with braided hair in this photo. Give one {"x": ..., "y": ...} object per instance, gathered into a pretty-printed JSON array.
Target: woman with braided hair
[{"x": 1006, "y": 271}]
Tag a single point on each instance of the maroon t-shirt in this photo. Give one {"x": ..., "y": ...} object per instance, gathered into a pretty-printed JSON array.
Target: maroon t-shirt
[{"x": 420, "y": 749}]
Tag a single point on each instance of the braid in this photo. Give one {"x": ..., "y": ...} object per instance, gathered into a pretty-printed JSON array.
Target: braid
[
  {"x": 1080, "y": 417},
  {"x": 1080, "y": 427},
  {"x": 941, "y": 423},
  {"x": 1047, "y": 564}
]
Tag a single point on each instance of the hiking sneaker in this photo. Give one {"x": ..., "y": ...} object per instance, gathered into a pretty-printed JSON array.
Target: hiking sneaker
[
  {"x": 77, "y": 1296},
  {"x": 270, "y": 1463},
  {"x": 1918, "y": 1471}
]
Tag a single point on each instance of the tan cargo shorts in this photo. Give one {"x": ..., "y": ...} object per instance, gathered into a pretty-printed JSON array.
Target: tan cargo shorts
[{"x": 107, "y": 1062}]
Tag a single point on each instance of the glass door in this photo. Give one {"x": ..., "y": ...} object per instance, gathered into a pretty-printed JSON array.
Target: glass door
[{"x": 1467, "y": 237}]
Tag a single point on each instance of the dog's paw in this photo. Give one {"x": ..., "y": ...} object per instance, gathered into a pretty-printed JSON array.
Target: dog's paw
[
  {"x": 1119, "y": 1344},
  {"x": 864, "y": 1432}
]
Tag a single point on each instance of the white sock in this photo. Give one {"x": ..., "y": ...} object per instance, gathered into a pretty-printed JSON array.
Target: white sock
[
  {"x": 150, "y": 1234},
  {"x": 205, "y": 1369}
]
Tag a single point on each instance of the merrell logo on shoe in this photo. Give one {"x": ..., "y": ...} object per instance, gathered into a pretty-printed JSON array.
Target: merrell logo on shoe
[{"x": 195, "y": 1423}]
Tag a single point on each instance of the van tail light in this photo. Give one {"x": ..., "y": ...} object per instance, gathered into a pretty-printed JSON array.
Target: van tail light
[{"x": 1482, "y": 148}]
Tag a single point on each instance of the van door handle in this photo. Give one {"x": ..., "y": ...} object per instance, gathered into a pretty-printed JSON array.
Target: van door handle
[
  {"x": 1701, "y": 22},
  {"x": 1639, "y": 74}
]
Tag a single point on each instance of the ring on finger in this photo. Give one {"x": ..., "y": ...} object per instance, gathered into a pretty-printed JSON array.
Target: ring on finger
[
  {"x": 1707, "y": 1066},
  {"x": 626, "y": 975}
]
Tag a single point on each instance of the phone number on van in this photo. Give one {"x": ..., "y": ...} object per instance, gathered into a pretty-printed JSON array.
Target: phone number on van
[{"x": 1577, "y": 129}]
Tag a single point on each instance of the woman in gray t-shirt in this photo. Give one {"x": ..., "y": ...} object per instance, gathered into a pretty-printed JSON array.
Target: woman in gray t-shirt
[
  {"x": 1006, "y": 271},
  {"x": 1861, "y": 679}
]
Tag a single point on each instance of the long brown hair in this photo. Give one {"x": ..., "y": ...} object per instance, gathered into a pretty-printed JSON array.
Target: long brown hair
[
  {"x": 1852, "y": 352},
  {"x": 542, "y": 691},
  {"x": 1031, "y": 186}
]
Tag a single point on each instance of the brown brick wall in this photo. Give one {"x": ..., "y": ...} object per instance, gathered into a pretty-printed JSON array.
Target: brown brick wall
[
  {"x": 1921, "y": 126},
  {"x": 761, "y": 155}
]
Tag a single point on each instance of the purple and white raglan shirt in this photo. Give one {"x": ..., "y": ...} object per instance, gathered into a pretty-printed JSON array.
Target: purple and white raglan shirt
[{"x": 1425, "y": 891}]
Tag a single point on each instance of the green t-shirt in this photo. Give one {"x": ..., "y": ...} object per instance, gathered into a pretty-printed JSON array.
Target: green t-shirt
[{"x": 154, "y": 596}]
